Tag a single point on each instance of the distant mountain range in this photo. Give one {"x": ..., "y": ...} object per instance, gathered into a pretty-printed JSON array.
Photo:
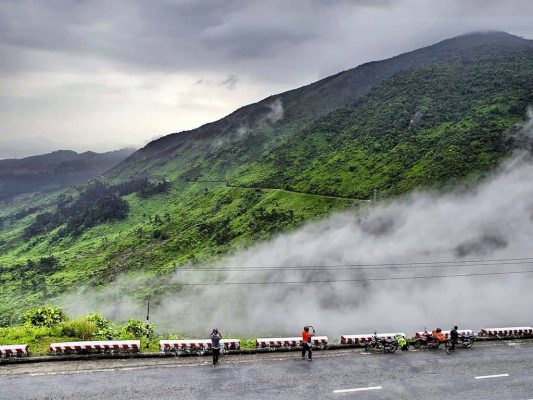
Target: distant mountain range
[{"x": 54, "y": 170}]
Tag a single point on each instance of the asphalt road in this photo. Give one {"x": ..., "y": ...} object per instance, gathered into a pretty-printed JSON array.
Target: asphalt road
[{"x": 503, "y": 371}]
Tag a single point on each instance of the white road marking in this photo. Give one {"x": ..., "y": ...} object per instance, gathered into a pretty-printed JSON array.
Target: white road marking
[
  {"x": 491, "y": 376},
  {"x": 364, "y": 389},
  {"x": 81, "y": 371}
]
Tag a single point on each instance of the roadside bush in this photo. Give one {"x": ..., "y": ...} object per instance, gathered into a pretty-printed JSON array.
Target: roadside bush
[
  {"x": 45, "y": 316},
  {"x": 26, "y": 334},
  {"x": 97, "y": 319},
  {"x": 104, "y": 328},
  {"x": 136, "y": 328},
  {"x": 79, "y": 328}
]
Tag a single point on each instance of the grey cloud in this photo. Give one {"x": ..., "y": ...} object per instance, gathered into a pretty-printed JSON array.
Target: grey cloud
[
  {"x": 161, "y": 34},
  {"x": 186, "y": 35},
  {"x": 258, "y": 41},
  {"x": 230, "y": 82}
]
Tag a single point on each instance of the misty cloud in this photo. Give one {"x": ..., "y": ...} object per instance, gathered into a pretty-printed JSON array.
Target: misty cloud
[
  {"x": 230, "y": 82},
  {"x": 264, "y": 122},
  {"x": 276, "y": 111}
]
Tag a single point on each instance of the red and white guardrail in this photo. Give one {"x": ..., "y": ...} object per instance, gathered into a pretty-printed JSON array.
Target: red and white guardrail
[
  {"x": 288, "y": 342},
  {"x": 367, "y": 337},
  {"x": 197, "y": 345},
  {"x": 103, "y": 346},
  {"x": 13, "y": 350},
  {"x": 204, "y": 345},
  {"x": 509, "y": 331}
]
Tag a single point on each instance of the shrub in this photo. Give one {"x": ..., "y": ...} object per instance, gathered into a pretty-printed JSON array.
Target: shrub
[
  {"x": 136, "y": 328},
  {"x": 79, "y": 328},
  {"x": 44, "y": 316},
  {"x": 104, "y": 328},
  {"x": 97, "y": 319}
]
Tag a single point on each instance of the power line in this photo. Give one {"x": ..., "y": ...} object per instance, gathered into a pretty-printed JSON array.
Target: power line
[
  {"x": 412, "y": 265},
  {"x": 347, "y": 280}
]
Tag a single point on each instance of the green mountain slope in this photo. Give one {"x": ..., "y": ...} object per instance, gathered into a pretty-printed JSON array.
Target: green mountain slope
[
  {"x": 419, "y": 128},
  {"x": 426, "y": 118}
]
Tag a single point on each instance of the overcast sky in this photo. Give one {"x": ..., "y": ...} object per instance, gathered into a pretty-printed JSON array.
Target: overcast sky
[{"x": 99, "y": 75}]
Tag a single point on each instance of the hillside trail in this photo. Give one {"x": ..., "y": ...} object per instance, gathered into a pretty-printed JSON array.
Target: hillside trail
[{"x": 266, "y": 189}]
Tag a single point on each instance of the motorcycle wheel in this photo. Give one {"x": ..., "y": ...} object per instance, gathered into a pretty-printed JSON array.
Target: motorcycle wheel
[
  {"x": 393, "y": 347},
  {"x": 468, "y": 343},
  {"x": 418, "y": 344},
  {"x": 367, "y": 348},
  {"x": 448, "y": 343}
]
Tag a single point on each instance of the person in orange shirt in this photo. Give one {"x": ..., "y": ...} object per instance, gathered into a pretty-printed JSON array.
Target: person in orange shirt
[
  {"x": 437, "y": 334},
  {"x": 307, "y": 344}
]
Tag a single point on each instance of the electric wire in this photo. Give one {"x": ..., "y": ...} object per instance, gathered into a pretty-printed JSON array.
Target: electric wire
[
  {"x": 347, "y": 280},
  {"x": 383, "y": 266}
]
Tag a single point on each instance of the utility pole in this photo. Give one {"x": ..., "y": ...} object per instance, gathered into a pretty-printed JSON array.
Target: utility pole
[{"x": 148, "y": 326}]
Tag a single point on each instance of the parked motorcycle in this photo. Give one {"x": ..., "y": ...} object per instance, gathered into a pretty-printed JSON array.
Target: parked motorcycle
[
  {"x": 466, "y": 339},
  {"x": 382, "y": 344},
  {"x": 427, "y": 341}
]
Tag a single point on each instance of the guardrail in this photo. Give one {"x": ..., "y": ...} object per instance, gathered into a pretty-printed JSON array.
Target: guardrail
[
  {"x": 290, "y": 342},
  {"x": 104, "y": 346},
  {"x": 367, "y": 337},
  {"x": 196, "y": 346},
  {"x": 202, "y": 346},
  {"x": 14, "y": 350},
  {"x": 517, "y": 331}
]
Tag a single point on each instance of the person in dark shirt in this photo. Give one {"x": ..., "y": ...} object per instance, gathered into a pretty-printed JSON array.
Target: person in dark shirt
[
  {"x": 215, "y": 345},
  {"x": 454, "y": 336}
]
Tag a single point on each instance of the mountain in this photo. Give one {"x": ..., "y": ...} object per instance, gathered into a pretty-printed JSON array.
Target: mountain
[
  {"x": 433, "y": 117},
  {"x": 210, "y": 150},
  {"x": 54, "y": 170}
]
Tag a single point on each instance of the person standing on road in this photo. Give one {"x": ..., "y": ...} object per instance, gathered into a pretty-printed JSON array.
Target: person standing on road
[
  {"x": 454, "y": 336},
  {"x": 215, "y": 345},
  {"x": 307, "y": 344}
]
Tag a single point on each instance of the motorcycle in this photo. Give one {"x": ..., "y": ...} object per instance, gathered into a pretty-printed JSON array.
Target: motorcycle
[
  {"x": 427, "y": 340},
  {"x": 467, "y": 340},
  {"x": 382, "y": 344}
]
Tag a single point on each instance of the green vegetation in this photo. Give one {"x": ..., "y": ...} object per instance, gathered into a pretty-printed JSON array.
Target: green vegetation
[
  {"x": 54, "y": 326},
  {"x": 419, "y": 128},
  {"x": 430, "y": 118},
  {"x": 46, "y": 316}
]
